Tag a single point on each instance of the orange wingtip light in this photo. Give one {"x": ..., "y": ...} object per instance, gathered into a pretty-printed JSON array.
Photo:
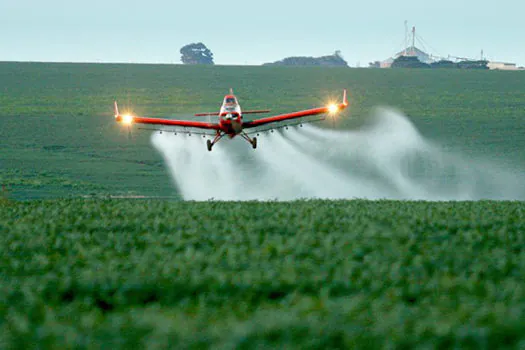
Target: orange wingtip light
[
  {"x": 127, "y": 119},
  {"x": 332, "y": 108}
]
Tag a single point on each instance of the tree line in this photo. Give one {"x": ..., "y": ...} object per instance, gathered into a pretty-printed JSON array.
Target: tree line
[
  {"x": 198, "y": 53},
  {"x": 414, "y": 62}
]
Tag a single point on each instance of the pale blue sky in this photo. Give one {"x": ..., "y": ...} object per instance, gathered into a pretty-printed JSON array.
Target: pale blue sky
[{"x": 248, "y": 32}]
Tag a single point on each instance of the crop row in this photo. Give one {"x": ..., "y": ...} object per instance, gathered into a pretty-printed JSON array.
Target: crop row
[{"x": 229, "y": 274}]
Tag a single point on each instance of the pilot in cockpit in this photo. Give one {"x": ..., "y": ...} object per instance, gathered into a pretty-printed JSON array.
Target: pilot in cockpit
[{"x": 230, "y": 100}]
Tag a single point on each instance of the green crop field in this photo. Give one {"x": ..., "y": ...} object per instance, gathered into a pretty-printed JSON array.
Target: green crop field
[
  {"x": 99, "y": 273},
  {"x": 59, "y": 137},
  {"x": 308, "y": 274}
]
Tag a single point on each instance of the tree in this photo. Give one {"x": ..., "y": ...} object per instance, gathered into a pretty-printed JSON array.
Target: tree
[
  {"x": 335, "y": 60},
  {"x": 482, "y": 64},
  {"x": 408, "y": 62},
  {"x": 196, "y": 53},
  {"x": 443, "y": 64}
]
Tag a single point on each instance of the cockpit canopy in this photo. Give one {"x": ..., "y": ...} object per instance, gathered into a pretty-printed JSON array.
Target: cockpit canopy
[{"x": 230, "y": 99}]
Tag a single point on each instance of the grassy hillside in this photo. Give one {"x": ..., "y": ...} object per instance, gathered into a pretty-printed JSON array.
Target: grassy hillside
[
  {"x": 59, "y": 137},
  {"x": 310, "y": 274}
]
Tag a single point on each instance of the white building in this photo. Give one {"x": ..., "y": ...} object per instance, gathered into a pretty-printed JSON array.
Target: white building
[
  {"x": 502, "y": 66},
  {"x": 409, "y": 51}
]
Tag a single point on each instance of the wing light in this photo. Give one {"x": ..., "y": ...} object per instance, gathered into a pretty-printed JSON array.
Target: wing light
[
  {"x": 127, "y": 119},
  {"x": 332, "y": 108}
]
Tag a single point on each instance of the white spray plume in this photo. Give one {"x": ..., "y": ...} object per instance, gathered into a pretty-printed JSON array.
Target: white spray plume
[{"x": 386, "y": 159}]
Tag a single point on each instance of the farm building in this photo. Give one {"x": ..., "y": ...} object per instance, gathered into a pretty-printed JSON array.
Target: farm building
[
  {"x": 409, "y": 51},
  {"x": 502, "y": 66}
]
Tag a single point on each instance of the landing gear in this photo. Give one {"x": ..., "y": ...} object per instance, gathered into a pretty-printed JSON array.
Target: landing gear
[
  {"x": 209, "y": 144},
  {"x": 219, "y": 135},
  {"x": 252, "y": 142}
]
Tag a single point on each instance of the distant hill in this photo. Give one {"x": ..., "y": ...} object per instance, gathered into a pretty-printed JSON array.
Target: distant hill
[{"x": 335, "y": 60}]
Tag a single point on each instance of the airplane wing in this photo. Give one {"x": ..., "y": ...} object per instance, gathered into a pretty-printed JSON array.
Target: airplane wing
[
  {"x": 130, "y": 119},
  {"x": 330, "y": 109}
]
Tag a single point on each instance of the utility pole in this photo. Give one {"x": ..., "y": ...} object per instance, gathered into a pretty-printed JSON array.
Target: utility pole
[
  {"x": 406, "y": 37},
  {"x": 413, "y": 40}
]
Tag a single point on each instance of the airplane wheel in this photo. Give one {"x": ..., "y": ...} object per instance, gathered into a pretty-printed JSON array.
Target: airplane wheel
[
  {"x": 209, "y": 144},
  {"x": 254, "y": 143}
]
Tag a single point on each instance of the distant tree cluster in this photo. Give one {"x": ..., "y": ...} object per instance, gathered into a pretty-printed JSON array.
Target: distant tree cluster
[
  {"x": 414, "y": 62},
  {"x": 481, "y": 64},
  {"x": 408, "y": 62},
  {"x": 335, "y": 60},
  {"x": 443, "y": 64},
  {"x": 196, "y": 53}
]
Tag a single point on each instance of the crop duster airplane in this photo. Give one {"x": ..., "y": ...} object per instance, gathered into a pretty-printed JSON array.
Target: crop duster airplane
[{"x": 231, "y": 122}]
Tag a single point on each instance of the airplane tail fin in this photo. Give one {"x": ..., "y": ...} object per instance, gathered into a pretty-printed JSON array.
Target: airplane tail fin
[
  {"x": 115, "y": 108},
  {"x": 345, "y": 98},
  {"x": 231, "y": 91}
]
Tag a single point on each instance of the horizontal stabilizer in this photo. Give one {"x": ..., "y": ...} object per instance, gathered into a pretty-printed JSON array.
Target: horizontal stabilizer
[
  {"x": 206, "y": 114},
  {"x": 256, "y": 111}
]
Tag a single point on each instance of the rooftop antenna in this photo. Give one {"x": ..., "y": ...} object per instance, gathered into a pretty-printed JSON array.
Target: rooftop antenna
[
  {"x": 406, "y": 38},
  {"x": 413, "y": 41},
  {"x": 482, "y": 54}
]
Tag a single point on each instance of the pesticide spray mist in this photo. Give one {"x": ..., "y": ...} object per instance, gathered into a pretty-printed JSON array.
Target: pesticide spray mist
[{"x": 386, "y": 159}]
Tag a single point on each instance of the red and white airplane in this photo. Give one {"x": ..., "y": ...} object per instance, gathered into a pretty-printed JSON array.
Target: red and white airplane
[{"x": 230, "y": 120}]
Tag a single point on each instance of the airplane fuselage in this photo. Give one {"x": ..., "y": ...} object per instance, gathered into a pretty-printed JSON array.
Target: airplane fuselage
[
  {"x": 230, "y": 116},
  {"x": 230, "y": 122}
]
